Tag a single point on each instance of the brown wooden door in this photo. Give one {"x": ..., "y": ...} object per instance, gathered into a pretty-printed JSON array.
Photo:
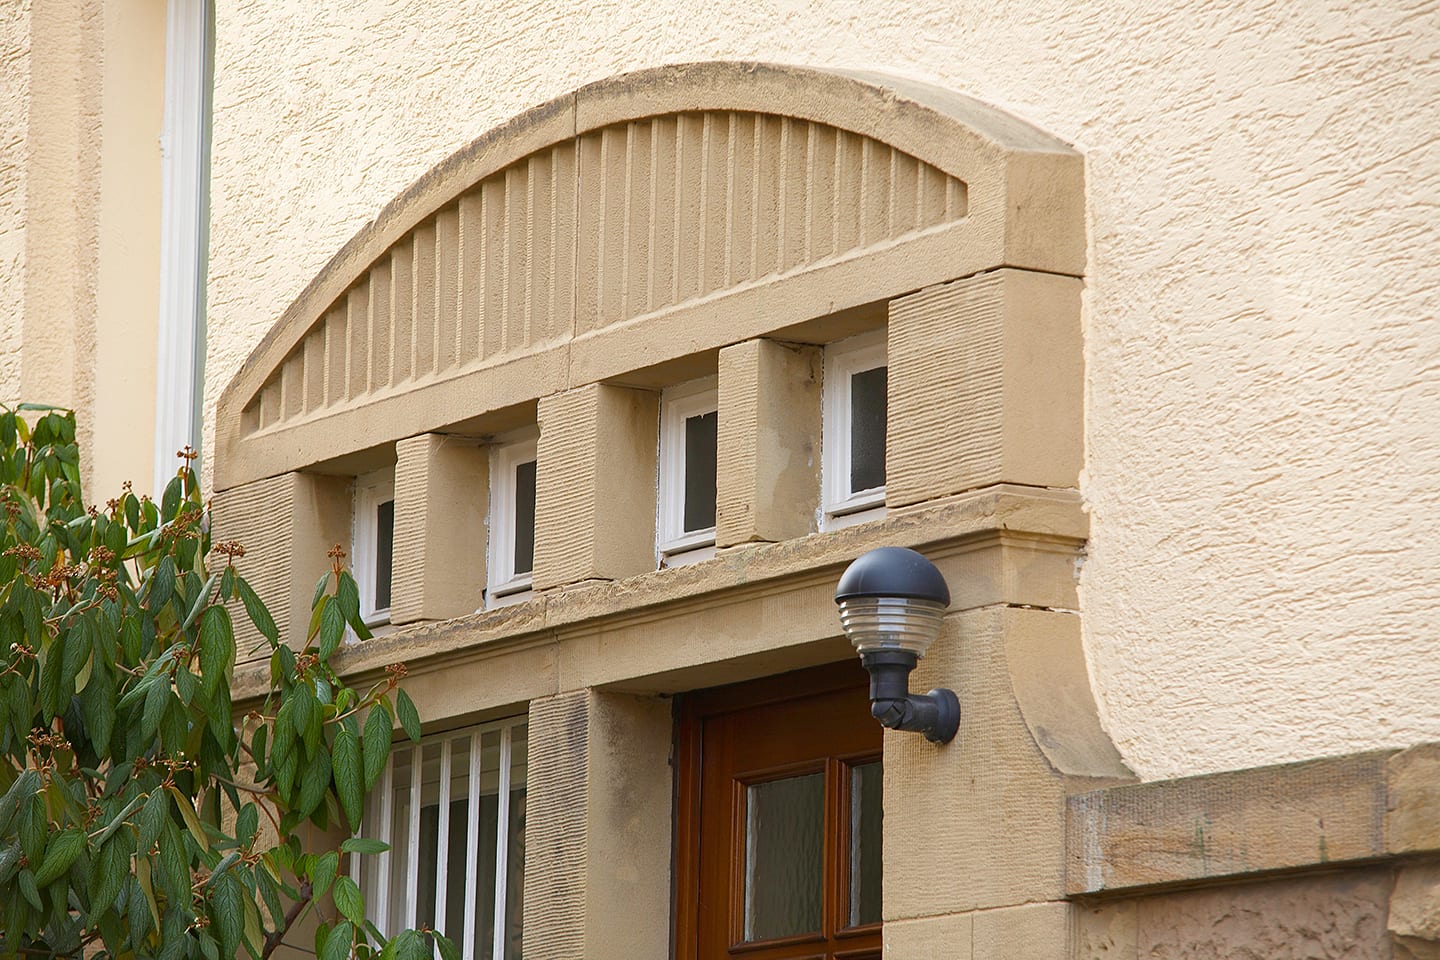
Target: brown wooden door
[{"x": 779, "y": 828}]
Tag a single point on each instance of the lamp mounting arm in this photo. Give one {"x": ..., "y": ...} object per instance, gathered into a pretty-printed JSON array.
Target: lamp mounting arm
[{"x": 935, "y": 714}]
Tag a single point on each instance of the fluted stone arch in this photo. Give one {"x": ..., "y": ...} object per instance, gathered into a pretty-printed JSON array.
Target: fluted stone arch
[{"x": 638, "y": 220}]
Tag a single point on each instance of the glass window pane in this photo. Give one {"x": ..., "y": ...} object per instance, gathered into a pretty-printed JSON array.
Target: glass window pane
[
  {"x": 525, "y": 517},
  {"x": 384, "y": 552},
  {"x": 866, "y": 838},
  {"x": 485, "y": 880},
  {"x": 459, "y": 825},
  {"x": 399, "y": 839},
  {"x": 515, "y": 856},
  {"x": 429, "y": 834},
  {"x": 867, "y": 429},
  {"x": 784, "y": 856},
  {"x": 700, "y": 434}
]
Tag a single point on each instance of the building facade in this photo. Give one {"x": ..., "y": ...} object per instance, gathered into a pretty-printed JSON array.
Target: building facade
[{"x": 602, "y": 364}]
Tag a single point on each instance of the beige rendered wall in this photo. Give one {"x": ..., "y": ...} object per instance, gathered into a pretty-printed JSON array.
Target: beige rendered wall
[
  {"x": 1260, "y": 312},
  {"x": 80, "y": 111}
]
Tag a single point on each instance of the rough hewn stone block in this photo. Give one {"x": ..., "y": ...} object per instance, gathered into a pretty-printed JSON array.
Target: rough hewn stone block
[
  {"x": 595, "y": 484},
  {"x": 768, "y": 449},
  {"x": 287, "y": 524},
  {"x": 1227, "y": 824},
  {"x": 599, "y": 783},
  {"x": 1033, "y": 931},
  {"x": 441, "y": 501},
  {"x": 929, "y": 938},
  {"x": 985, "y": 386}
]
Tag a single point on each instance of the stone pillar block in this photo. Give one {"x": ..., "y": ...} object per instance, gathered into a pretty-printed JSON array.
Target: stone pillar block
[
  {"x": 1032, "y": 931},
  {"x": 986, "y": 386},
  {"x": 595, "y": 484},
  {"x": 287, "y": 524},
  {"x": 768, "y": 481},
  {"x": 441, "y": 505},
  {"x": 597, "y": 858},
  {"x": 985, "y": 811}
]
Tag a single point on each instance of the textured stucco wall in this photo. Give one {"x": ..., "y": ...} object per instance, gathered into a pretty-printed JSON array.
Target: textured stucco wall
[
  {"x": 14, "y": 115},
  {"x": 1261, "y": 332}
]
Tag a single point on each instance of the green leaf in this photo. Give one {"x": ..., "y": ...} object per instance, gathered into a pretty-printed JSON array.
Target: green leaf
[
  {"x": 119, "y": 818},
  {"x": 409, "y": 716},
  {"x": 29, "y": 888},
  {"x": 256, "y": 610},
  {"x": 60, "y": 854},
  {"x": 108, "y": 872},
  {"x": 364, "y": 845},
  {"x": 201, "y": 599},
  {"x": 409, "y": 945},
  {"x": 227, "y": 914},
  {"x": 152, "y": 820},
  {"x": 348, "y": 900},
  {"x": 187, "y": 813},
  {"x": 448, "y": 950},
  {"x": 162, "y": 584},
  {"x": 326, "y": 866},
  {"x": 377, "y": 744},
  {"x": 314, "y": 781},
  {"x": 305, "y": 715},
  {"x": 345, "y": 760},
  {"x": 338, "y": 942},
  {"x": 157, "y": 698},
  {"x": 347, "y": 595},
  {"x": 170, "y": 500},
  {"x": 217, "y": 649},
  {"x": 246, "y": 823},
  {"x": 332, "y": 629}
]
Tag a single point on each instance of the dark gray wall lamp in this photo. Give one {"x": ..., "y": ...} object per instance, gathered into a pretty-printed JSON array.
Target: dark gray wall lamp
[{"x": 892, "y": 602}]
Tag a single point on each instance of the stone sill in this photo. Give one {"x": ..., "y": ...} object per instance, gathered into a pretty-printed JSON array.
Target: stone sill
[
  {"x": 1235, "y": 825},
  {"x": 948, "y": 526}
]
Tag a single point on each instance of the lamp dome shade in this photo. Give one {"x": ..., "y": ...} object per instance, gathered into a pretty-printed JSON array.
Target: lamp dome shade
[{"x": 892, "y": 572}]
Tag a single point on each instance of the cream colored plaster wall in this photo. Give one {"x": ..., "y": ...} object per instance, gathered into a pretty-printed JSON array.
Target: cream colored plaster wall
[
  {"x": 1261, "y": 333},
  {"x": 14, "y": 115},
  {"x": 80, "y": 111}
]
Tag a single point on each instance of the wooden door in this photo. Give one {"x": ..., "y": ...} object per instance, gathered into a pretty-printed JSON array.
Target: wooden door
[{"x": 779, "y": 826}]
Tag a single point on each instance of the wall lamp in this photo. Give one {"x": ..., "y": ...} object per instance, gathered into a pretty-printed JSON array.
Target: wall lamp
[{"x": 892, "y": 601}]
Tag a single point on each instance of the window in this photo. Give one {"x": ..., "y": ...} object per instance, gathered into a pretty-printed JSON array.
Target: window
[
  {"x": 443, "y": 872},
  {"x": 512, "y": 518},
  {"x": 685, "y": 521},
  {"x": 853, "y": 465},
  {"x": 373, "y": 539},
  {"x": 780, "y": 828}
]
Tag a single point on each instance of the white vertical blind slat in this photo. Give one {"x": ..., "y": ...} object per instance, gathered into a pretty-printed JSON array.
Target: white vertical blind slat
[{"x": 502, "y": 846}]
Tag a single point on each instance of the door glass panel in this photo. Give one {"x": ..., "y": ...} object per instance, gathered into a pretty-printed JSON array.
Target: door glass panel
[
  {"x": 784, "y": 857},
  {"x": 865, "y": 843}
]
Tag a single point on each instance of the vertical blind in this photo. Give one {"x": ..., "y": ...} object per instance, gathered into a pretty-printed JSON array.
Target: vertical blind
[{"x": 461, "y": 873}]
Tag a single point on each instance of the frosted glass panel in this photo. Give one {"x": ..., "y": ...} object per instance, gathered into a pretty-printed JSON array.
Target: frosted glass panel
[
  {"x": 784, "y": 856},
  {"x": 865, "y": 843}
]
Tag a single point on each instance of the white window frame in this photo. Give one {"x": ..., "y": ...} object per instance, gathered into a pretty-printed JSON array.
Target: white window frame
[
  {"x": 841, "y": 506},
  {"x": 371, "y": 490},
  {"x": 503, "y": 585},
  {"x": 675, "y": 546},
  {"x": 380, "y": 825}
]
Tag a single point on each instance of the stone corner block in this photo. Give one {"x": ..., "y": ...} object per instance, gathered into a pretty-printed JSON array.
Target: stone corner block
[
  {"x": 287, "y": 525},
  {"x": 986, "y": 385},
  {"x": 1412, "y": 807},
  {"x": 441, "y": 507}
]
